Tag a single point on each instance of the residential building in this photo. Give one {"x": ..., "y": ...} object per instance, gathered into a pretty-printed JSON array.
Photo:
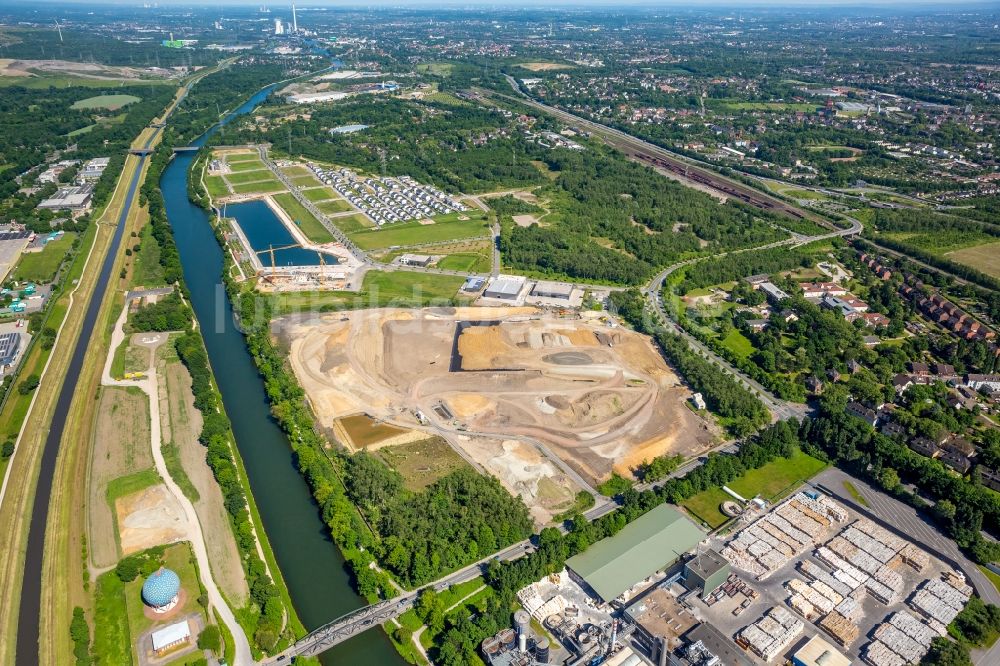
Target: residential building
[
  {"x": 858, "y": 410},
  {"x": 979, "y": 382}
]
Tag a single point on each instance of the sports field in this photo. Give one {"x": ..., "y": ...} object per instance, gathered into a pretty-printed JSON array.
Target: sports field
[{"x": 773, "y": 480}]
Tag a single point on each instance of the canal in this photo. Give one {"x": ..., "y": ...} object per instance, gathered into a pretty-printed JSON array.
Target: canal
[{"x": 311, "y": 564}]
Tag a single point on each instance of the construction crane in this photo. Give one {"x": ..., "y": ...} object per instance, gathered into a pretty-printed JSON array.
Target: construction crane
[
  {"x": 322, "y": 268},
  {"x": 271, "y": 250}
]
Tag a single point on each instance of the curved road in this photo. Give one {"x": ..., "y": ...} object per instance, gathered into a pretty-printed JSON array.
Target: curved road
[{"x": 150, "y": 386}]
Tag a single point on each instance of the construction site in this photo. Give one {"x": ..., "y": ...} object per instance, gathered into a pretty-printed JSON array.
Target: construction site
[{"x": 549, "y": 404}]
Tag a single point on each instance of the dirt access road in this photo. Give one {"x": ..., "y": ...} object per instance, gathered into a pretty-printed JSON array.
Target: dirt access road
[{"x": 149, "y": 385}]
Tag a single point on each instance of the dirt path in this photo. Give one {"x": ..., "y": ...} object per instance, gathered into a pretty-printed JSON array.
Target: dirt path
[
  {"x": 182, "y": 425},
  {"x": 150, "y": 386}
]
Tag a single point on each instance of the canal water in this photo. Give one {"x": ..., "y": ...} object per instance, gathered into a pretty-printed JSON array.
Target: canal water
[{"x": 312, "y": 566}]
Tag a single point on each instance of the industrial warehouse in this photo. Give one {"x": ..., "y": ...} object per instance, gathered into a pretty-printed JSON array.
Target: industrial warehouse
[{"x": 805, "y": 581}]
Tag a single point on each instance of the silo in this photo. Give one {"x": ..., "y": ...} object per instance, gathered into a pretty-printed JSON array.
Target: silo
[
  {"x": 522, "y": 620},
  {"x": 542, "y": 650}
]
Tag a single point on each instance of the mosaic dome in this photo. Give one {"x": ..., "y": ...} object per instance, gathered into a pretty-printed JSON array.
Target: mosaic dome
[{"x": 161, "y": 588}]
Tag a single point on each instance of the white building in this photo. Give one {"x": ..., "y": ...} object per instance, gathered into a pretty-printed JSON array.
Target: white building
[{"x": 170, "y": 637}]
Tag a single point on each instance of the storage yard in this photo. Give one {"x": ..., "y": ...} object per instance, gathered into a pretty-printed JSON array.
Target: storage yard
[
  {"x": 506, "y": 386},
  {"x": 805, "y": 581},
  {"x": 818, "y": 569}
]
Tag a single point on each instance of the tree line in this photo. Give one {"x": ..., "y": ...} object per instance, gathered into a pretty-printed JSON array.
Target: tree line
[{"x": 723, "y": 395}]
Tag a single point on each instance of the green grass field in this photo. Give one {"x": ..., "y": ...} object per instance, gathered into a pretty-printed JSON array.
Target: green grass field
[
  {"x": 351, "y": 223},
  {"x": 147, "y": 270},
  {"x": 310, "y": 226},
  {"x": 985, "y": 258},
  {"x": 305, "y": 181},
  {"x": 411, "y": 233},
  {"x": 111, "y": 632},
  {"x": 772, "y": 481},
  {"x": 769, "y": 106},
  {"x": 256, "y": 175},
  {"x": 266, "y": 187},
  {"x": 380, "y": 288},
  {"x": 236, "y": 158},
  {"x": 942, "y": 242},
  {"x": 738, "y": 343},
  {"x": 110, "y": 102},
  {"x": 436, "y": 68},
  {"x": 41, "y": 266},
  {"x": 320, "y": 194},
  {"x": 216, "y": 186},
  {"x": 473, "y": 262},
  {"x": 332, "y": 206},
  {"x": 247, "y": 165},
  {"x": 126, "y": 485}
]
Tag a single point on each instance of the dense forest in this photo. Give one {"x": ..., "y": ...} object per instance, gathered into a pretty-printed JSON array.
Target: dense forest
[
  {"x": 460, "y": 518},
  {"x": 736, "y": 266},
  {"x": 645, "y": 219},
  {"x": 434, "y": 142}
]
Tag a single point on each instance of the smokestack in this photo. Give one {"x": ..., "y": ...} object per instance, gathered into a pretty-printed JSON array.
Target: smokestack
[
  {"x": 663, "y": 652},
  {"x": 522, "y": 619},
  {"x": 295, "y": 22},
  {"x": 614, "y": 636}
]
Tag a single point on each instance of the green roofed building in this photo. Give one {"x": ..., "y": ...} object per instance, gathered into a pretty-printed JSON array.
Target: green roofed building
[{"x": 648, "y": 544}]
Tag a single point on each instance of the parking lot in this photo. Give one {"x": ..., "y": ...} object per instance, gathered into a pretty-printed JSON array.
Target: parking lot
[{"x": 387, "y": 200}]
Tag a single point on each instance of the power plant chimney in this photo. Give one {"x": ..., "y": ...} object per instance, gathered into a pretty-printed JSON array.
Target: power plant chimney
[
  {"x": 522, "y": 620},
  {"x": 295, "y": 22}
]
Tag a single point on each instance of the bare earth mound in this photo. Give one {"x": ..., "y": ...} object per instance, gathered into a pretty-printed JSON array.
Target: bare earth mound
[
  {"x": 149, "y": 517},
  {"x": 598, "y": 398}
]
